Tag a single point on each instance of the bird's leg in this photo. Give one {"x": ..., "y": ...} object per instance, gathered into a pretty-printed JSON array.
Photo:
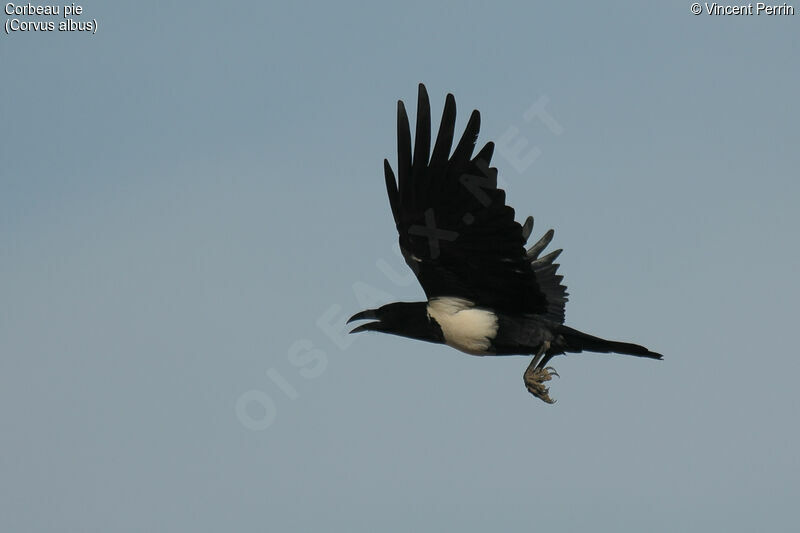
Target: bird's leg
[{"x": 535, "y": 377}]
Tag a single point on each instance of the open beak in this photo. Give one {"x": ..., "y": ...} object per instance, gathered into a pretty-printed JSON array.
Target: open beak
[
  {"x": 363, "y": 315},
  {"x": 369, "y": 314}
]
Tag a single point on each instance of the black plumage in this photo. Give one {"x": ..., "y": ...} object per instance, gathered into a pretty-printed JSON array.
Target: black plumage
[{"x": 468, "y": 252}]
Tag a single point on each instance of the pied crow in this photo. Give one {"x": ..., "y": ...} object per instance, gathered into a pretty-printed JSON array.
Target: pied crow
[{"x": 486, "y": 294}]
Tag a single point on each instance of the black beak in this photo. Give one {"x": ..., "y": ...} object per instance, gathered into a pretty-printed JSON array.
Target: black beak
[{"x": 369, "y": 314}]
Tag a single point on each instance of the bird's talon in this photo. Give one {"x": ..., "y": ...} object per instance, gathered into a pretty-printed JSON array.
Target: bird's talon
[
  {"x": 552, "y": 371},
  {"x": 534, "y": 382}
]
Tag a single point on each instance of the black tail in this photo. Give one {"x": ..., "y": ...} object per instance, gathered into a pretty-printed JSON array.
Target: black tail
[{"x": 577, "y": 341}]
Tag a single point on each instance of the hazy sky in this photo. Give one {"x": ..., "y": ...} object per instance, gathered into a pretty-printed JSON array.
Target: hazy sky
[{"x": 192, "y": 201}]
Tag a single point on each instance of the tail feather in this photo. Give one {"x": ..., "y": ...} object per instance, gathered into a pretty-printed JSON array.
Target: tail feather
[{"x": 577, "y": 341}]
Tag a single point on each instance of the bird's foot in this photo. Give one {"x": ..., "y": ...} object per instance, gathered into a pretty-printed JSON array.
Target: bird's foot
[{"x": 535, "y": 379}]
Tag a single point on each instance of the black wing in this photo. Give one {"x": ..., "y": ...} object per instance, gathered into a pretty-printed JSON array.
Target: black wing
[{"x": 456, "y": 232}]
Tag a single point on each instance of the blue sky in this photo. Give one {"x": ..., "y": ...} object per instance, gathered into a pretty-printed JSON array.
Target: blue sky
[{"x": 191, "y": 201}]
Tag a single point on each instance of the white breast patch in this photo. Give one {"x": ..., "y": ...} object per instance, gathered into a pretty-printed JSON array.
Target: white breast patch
[{"x": 464, "y": 327}]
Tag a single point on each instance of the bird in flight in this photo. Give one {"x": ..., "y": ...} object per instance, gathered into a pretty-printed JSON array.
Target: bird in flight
[{"x": 486, "y": 294}]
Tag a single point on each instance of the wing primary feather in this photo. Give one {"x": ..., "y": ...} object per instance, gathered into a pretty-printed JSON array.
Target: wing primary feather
[
  {"x": 422, "y": 138},
  {"x": 546, "y": 260},
  {"x": 486, "y": 153},
  {"x": 444, "y": 139},
  {"x": 466, "y": 145},
  {"x": 527, "y": 228},
  {"x": 536, "y": 249},
  {"x": 391, "y": 190},
  {"x": 403, "y": 154}
]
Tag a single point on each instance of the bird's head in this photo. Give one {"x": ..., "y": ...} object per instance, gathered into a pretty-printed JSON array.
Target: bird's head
[{"x": 407, "y": 319}]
